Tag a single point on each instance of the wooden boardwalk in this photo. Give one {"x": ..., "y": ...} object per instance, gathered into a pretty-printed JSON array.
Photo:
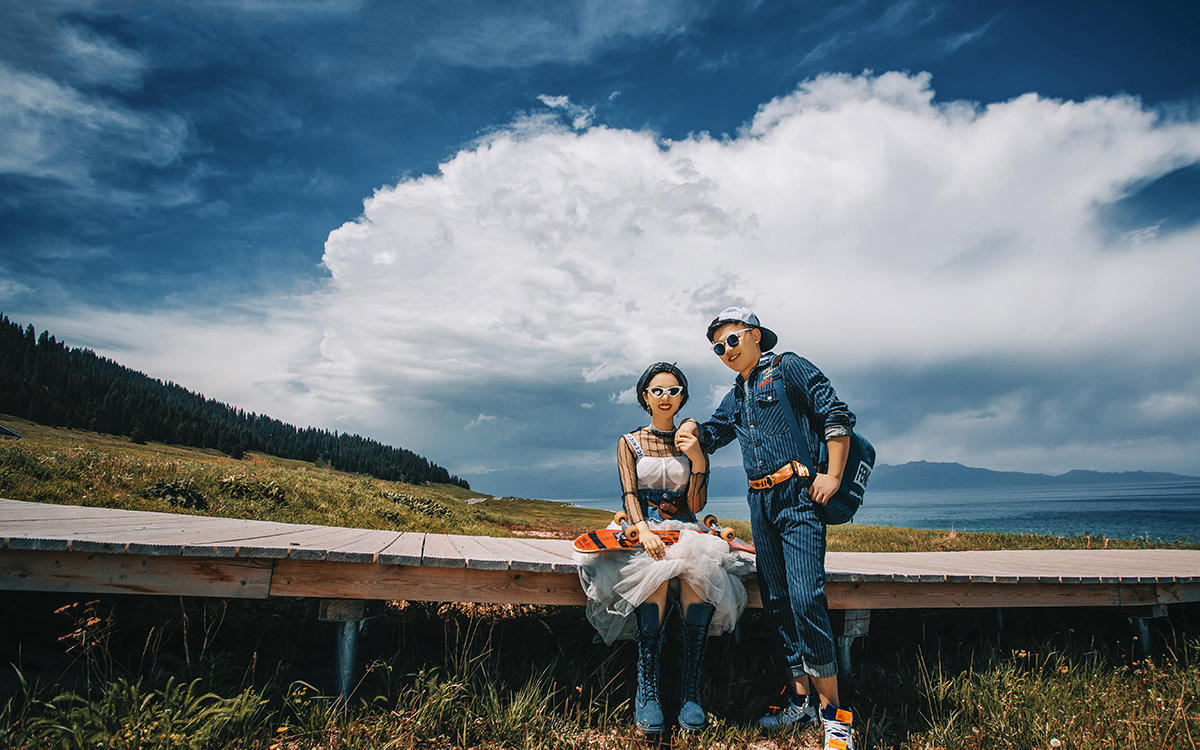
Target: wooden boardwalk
[
  {"x": 70, "y": 548},
  {"x": 101, "y": 550}
]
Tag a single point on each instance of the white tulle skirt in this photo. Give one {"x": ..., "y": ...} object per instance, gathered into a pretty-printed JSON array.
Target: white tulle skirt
[{"x": 617, "y": 581}]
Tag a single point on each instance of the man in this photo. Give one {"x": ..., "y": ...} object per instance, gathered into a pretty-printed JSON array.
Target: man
[{"x": 785, "y": 504}]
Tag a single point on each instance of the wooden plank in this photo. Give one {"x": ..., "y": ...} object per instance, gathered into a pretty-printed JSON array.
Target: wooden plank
[
  {"x": 364, "y": 549},
  {"x": 17, "y": 511},
  {"x": 273, "y": 541},
  {"x": 423, "y": 583},
  {"x": 893, "y": 595},
  {"x": 1178, "y": 593},
  {"x": 487, "y": 553},
  {"x": 406, "y": 550},
  {"x": 168, "y": 539},
  {"x": 440, "y": 551},
  {"x": 133, "y": 574},
  {"x": 35, "y": 543},
  {"x": 1133, "y": 566},
  {"x": 545, "y": 555},
  {"x": 455, "y": 551},
  {"x": 315, "y": 545},
  {"x": 95, "y": 524}
]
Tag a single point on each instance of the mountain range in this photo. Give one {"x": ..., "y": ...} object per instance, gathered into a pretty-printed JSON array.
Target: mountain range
[{"x": 930, "y": 475}]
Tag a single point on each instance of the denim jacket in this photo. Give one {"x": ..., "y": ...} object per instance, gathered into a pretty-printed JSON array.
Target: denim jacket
[{"x": 751, "y": 413}]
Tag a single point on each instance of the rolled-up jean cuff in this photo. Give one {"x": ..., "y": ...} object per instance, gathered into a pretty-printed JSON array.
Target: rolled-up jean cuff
[
  {"x": 815, "y": 670},
  {"x": 837, "y": 431}
]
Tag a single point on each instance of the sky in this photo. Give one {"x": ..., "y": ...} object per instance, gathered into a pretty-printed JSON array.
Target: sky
[{"x": 465, "y": 228}]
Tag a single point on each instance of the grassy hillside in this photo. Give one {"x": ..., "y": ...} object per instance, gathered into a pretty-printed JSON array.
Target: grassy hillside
[{"x": 77, "y": 467}]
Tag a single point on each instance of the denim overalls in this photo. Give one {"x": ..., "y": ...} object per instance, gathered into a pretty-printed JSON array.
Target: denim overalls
[{"x": 788, "y": 529}]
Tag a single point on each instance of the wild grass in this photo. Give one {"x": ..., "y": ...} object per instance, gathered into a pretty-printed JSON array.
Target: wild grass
[{"x": 490, "y": 677}]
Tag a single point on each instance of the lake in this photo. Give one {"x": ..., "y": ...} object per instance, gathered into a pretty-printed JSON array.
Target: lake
[{"x": 1160, "y": 511}]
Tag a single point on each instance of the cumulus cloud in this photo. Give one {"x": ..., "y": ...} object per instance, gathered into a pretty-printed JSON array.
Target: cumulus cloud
[
  {"x": 866, "y": 221},
  {"x": 945, "y": 262}
]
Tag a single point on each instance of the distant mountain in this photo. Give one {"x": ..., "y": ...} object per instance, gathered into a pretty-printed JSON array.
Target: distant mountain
[{"x": 931, "y": 475}]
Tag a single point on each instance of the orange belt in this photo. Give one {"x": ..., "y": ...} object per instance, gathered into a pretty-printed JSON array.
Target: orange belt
[{"x": 790, "y": 469}]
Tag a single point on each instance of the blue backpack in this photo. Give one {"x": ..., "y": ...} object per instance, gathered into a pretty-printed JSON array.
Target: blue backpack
[{"x": 861, "y": 459}]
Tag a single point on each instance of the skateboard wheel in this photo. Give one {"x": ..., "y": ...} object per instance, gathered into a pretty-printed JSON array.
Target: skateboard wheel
[
  {"x": 631, "y": 533},
  {"x": 620, "y": 519},
  {"x": 728, "y": 533},
  {"x": 711, "y": 521}
]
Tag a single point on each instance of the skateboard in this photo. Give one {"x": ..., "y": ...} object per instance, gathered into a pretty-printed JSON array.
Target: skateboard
[{"x": 627, "y": 536}]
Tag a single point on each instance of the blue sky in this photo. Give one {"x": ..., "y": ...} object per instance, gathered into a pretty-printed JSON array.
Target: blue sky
[{"x": 465, "y": 227}]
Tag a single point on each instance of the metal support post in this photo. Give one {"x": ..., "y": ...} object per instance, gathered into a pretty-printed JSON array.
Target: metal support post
[
  {"x": 1143, "y": 638},
  {"x": 347, "y": 650},
  {"x": 348, "y": 613},
  {"x": 856, "y": 623}
]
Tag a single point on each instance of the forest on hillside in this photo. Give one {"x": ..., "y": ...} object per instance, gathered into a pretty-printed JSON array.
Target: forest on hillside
[{"x": 45, "y": 381}]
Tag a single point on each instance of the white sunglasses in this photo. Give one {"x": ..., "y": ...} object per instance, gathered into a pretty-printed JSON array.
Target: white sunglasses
[
  {"x": 658, "y": 392},
  {"x": 730, "y": 341}
]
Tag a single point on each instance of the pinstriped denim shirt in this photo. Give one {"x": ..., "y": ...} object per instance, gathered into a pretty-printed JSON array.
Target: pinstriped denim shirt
[{"x": 751, "y": 412}]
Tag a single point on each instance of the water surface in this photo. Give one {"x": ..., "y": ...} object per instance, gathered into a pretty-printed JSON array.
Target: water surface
[{"x": 1158, "y": 511}]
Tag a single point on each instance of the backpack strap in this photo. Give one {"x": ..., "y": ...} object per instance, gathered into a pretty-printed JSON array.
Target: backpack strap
[
  {"x": 633, "y": 443},
  {"x": 803, "y": 455}
]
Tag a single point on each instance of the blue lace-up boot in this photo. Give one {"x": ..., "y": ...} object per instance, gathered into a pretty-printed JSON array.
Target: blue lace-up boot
[
  {"x": 647, "y": 710},
  {"x": 695, "y": 637}
]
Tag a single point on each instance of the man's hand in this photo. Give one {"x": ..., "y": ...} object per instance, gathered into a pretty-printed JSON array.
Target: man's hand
[
  {"x": 687, "y": 428},
  {"x": 824, "y": 486}
]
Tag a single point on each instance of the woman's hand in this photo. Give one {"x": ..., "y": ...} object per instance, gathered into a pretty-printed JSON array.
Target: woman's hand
[
  {"x": 824, "y": 486},
  {"x": 651, "y": 542}
]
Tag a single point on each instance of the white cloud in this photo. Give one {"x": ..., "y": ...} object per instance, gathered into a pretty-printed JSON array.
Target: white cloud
[
  {"x": 100, "y": 60},
  {"x": 1172, "y": 405},
  {"x": 626, "y": 397},
  {"x": 10, "y": 288},
  {"x": 580, "y": 116},
  {"x": 482, "y": 419},
  {"x": 855, "y": 197},
  {"x": 48, "y": 130},
  {"x": 517, "y": 35}
]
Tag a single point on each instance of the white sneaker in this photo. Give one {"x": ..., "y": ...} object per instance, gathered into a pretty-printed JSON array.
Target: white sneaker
[
  {"x": 837, "y": 723},
  {"x": 791, "y": 716}
]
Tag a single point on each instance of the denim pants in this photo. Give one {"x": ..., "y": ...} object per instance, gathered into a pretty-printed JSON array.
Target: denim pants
[{"x": 789, "y": 540}]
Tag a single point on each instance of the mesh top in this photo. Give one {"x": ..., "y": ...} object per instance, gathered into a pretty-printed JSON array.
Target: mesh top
[{"x": 655, "y": 444}]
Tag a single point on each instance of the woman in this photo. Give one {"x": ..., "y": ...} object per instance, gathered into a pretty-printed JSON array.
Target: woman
[{"x": 664, "y": 483}]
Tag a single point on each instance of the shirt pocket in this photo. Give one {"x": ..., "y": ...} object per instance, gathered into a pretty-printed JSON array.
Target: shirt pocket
[{"x": 771, "y": 418}]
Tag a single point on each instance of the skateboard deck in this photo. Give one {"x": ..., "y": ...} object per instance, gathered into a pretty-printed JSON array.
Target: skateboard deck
[{"x": 610, "y": 539}]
